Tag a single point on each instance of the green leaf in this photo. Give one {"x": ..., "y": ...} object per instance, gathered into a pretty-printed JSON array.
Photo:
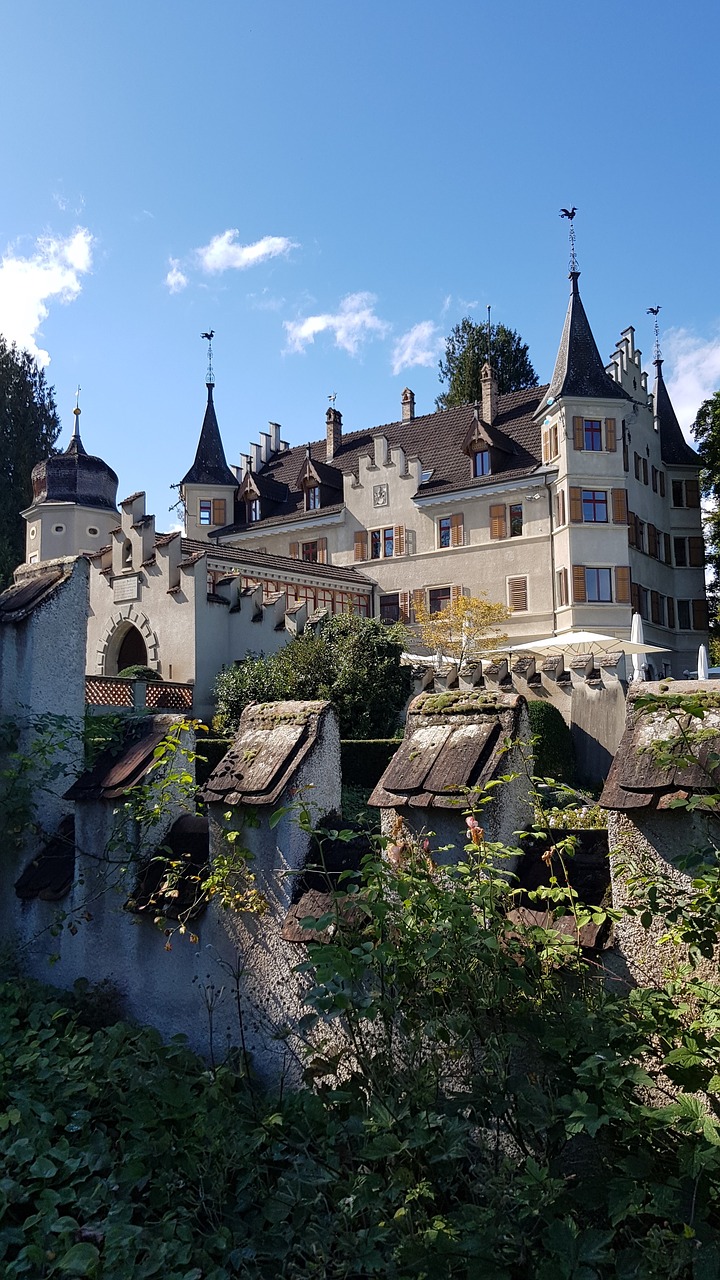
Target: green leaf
[{"x": 80, "y": 1260}]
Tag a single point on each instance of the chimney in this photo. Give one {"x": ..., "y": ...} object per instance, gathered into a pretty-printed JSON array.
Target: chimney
[
  {"x": 408, "y": 405},
  {"x": 489, "y": 394},
  {"x": 275, "y": 430},
  {"x": 333, "y": 417},
  {"x": 256, "y": 455}
]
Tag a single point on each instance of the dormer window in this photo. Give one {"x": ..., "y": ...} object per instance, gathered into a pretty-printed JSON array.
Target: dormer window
[
  {"x": 481, "y": 462},
  {"x": 312, "y": 497},
  {"x": 253, "y": 510}
]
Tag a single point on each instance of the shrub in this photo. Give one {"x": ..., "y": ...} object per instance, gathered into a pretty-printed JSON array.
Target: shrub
[
  {"x": 139, "y": 672},
  {"x": 554, "y": 756}
]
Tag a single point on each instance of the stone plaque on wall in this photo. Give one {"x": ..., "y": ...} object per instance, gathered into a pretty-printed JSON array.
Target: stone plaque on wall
[
  {"x": 125, "y": 589},
  {"x": 380, "y": 495}
]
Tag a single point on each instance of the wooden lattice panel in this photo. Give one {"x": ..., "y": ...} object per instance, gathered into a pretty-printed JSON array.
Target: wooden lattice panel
[
  {"x": 168, "y": 697},
  {"x": 106, "y": 691}
]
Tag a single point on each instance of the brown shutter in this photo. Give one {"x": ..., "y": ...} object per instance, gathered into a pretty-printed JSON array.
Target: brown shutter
[
  {"x": 699, "y": 615},
  {"x": 418, "y": 600},
  {"x": 610, "y": 435},
  {"x": 404, "y": 602},
  {"x": 295, "y": 550},
  {"x": 361, "y": 546},
  {"x": 666, "y": 538},
  {"x": 622, "y": 584},
  {"x": 576, "y": 508},
  {"x": 546, "y": 445},
  {"x": 655, "y": 607},
  {"x": 322, "y": 550},
  {"x": 652, "y": 540},
  {"x": 692, "y": 493},
  {"x": 457, "y": 532},
  {"x": 498, "y": 522},
  {"x": 579, "y": 433},
  {"x": 560, "y": 507},
  {"x": 578, "y": 572},
  {"x": 218, "y": 511},
  {"x": 661, "y": 478},
  {"x": 670, "y": 611},
  {"x": 456, "y": 593},
  {"x": 554, "y": 450},
  {"x": 399, "y": 540},
  {"x": 632, "y": 529},
  {"x": 696, "y": 552},
  {"x": 619, "y": 506},
  {"x": 517, "y": 595}
]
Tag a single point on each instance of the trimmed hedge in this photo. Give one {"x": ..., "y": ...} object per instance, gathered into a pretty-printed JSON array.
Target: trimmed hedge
[
  {"x": 554, "y": 755},
  {"x": 364, "y": 760}
]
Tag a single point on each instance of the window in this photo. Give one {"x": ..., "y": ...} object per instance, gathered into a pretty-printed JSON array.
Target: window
[
  {"x": 481, "y": 462},
  {"x": 592, "y": 435},
  {"x": 390, "y": 607},
  {"x": 638, "y": 463},
  {"x": 598, "y": 585},
  {"x": 382, "y": 544},
  {"x": 657, "y": 608},
  {"x": 550, "y": 447},
  {"x": 560, "y": 507},
  {"x": 645, "y": 470},
  {"x": 58, "y": 528},
  {"x": 253, "y": 510},
  {"x": 450, "y": 531},
  {"x": 661, "y": 479},
  {"x": 92, "y": 531},
  {"x": 516, "y": 520},
  {"x": 654, "y": 479},
  {"x": 309, "y": 552},
  {"x": 678, "y": 493},
  {"x": 680, "y": 549},
  {"x": 696, "y": 552},
  {"x": 517, "y": 595},
  {"x": 639, "y": 534},
  {"x": 205, "y": 511},
  {"x": 312, "y": 498},
  {"x": 439, "y": 599},
  {"x": 33, "y": 558},
  {"x": 33, "y": 531},
  {"x": 561, "y": 587},
  {"x": 444, "y": 532},
  {"x": 643, "y": 598},
  {"x": 218, "y": 511},
  {"x": 594, "y": 506},
  {"x": 683, "y": 614}
]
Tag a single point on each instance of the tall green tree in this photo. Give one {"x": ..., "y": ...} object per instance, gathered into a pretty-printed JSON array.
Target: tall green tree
[
  {"x": 468, "y": 346},
  {"x": 706, "y": 430},
  {"x": 29, "y": 427}
]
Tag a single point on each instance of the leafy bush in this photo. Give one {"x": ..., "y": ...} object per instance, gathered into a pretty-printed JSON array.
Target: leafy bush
[
  {"x": 554, "y": 756},
  {"x": 353, "y": 662},
  {"x": 139, "y": 672}
]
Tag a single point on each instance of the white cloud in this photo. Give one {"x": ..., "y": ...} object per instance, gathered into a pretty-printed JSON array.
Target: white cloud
[
  {"x": 223, "y": 253},
  {"x": 695, "y": 365},
  {"x": 419, "y": 346},
  {"x": 175, "y": 279},
  {"x": 352, "y": 324},
  {"x": 53, "y": 271}
]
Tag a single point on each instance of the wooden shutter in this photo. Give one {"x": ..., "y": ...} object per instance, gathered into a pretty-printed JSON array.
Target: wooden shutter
[
  {"x": 546, "y": 445},
  {"x": 619, "y": 506},
  {"x": 622, "y": 584},
  {"x": 554, "y": 450},
  {"x": 670, "y": 611},
  {"x": 578, "y": 574},
  {"x": 666, "y": 539},
  {"x": 498, "y": 521},
  {"x": 404, "y": 603},
  {"x": 517, "y": 595},
  {"x": 457, "y": 531},
  {"x": 218, "y": 511},
  {"x": 692, "y": 493},
  {"x": 295, "y": 550},
  {"x": 361, "y": 546},
  {"x": 655, "y": 607},
  {"x": 418, "y": 600},
  {"x": 456, "y": 593},
  {"x": 652, "y": 540},
  {"x": 632, "y": 529},
  {"x": 579, "y": 433},
  {"x": 322, "y": 550},
  {"x": 610, "y": 435},
  {"x": 699, "y": 615},
  {"x": 661, "y": 478},
  {"x": 576, "y": 507},
  {"x": 399, "y": 540},
  {"x": 696, "y": 552},
  {"x": 560, "y": 507}
]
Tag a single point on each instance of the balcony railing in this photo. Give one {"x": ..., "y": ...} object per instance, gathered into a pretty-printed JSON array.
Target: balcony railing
[{"x": 121, "y": 693}]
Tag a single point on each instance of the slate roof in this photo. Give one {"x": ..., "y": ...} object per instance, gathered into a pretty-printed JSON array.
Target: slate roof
[
  {"x": 635, "y": 780},
  {"x": 675, "y": 450},
  {"x": 210, "y": 465},
  {"x": 453, "y": 741},
  {"x": 272, "y": 740},
  {"x": 275, "y": 566},
  {"x": 75, "y": 476},
  {"x": 438, "y": 439},
  {"x": 23, "y": 597},
  {"x": 579, "y": 369},
  {"x": 117, "y": 770}
]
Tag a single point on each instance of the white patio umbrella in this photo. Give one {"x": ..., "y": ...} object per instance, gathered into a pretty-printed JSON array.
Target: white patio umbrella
[
  {"x": 577, "y": 642},
  {"x": 639, "y": 664},
  {"x": 703, "y": 664}
]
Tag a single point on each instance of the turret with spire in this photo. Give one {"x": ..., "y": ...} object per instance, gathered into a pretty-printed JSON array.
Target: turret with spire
[{"x": 207, "y": 490}]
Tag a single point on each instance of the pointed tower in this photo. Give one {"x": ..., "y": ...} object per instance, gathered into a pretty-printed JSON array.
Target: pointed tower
[
  {"x": 74, "y": 503},
  {"x": 579, "y": 369},
  {"x": 674, "y": 448},
  {"x": 208, "y": 489}
]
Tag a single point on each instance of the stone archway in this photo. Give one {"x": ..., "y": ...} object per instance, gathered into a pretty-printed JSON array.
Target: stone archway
[
  {"x": 132, "y": 651},
  {"x": 126, "y": 628}
]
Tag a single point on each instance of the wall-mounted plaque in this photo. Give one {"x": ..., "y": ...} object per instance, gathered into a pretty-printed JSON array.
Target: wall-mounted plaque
[
  {"x": 380, "y": 495},
  {"x": 125, "y": 589}
]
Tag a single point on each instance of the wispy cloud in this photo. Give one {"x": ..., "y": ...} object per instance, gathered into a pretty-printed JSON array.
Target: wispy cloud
[
  {"x": 27, "y": 285},
  {"x": 223, "y": 253},
  {"x": 421, "y": 345},
  {"x": 692, "y": 372},
  {"x": 176, "y": 280},
  {"x": 352, "y": 324}
]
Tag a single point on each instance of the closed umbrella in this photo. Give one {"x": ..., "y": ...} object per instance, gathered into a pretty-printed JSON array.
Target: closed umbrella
[
  {"x": 637, "y": 637},
  {"x": 703, "y": 664}
]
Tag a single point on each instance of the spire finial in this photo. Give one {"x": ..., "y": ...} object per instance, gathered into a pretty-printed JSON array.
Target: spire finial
[
  {"x": 570, "y": 215},
  {"x": 76, "y": 413},
  {"x": 489, "y": 354},
  {"x": 210, "y": 376},
  {"x": 332, "y": 398},
  {"x": 657, "y": 354}
]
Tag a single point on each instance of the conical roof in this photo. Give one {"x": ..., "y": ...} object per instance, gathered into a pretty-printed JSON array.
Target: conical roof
[
  {"x": 210, "y": 466},
  {"x": 75, "y": 476},
  {"x": 674, "y": 448},
  {"x": 579, "y": 370}
]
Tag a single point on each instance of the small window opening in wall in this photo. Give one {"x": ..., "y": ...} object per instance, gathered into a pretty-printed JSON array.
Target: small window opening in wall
[
  {"x": 127, "y": 555},
  {"x": 92, "y": 531},
  {"x": 205, "y": 511},
  {"x": 481, "y": 462},
  {"x": 58, "y": 528},
  {"x": 33, "y": 531},
  {"x": 33, "y": 558}
]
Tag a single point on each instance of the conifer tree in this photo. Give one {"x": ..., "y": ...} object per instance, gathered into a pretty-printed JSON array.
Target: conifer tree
[{"x": 29, "y": 427}]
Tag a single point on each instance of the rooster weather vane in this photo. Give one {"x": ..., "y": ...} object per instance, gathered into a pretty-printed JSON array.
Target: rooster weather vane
[
  {"x": 570, "y": 215},
  {"x": 655, "y": 311},
  {"x": 210, "y": 378}
]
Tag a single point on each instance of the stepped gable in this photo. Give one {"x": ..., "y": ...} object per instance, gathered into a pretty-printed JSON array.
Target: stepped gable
[
  {"x": 75, "y": 476},
  {"x": 272, "y": 740},
  {"x": 675, "y": 450},
  {"x": 210, "y": 465},
  {"x": 438, "y": 439},
  {"x": 579, "y": 369}
]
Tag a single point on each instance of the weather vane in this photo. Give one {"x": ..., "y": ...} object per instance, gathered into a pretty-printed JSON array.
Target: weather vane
[
  {"x": 332, "y": 398},
  {"x": 77, "y": 411},
  {"x": 210, "y": 378},
  {"x": 570, "y": 215},
  {"x": 654, "y": 311}
]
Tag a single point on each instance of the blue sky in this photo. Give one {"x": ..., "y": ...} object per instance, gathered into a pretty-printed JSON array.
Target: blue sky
[{"x": 331, "y": 186}]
